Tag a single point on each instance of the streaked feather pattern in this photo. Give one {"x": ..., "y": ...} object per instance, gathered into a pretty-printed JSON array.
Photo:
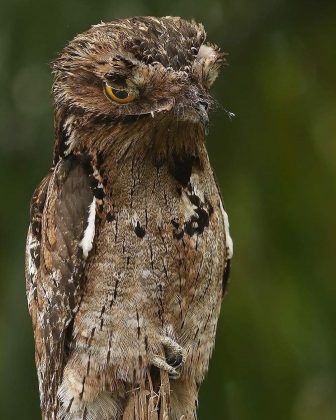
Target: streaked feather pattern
[{"x": 129, "y": 242}]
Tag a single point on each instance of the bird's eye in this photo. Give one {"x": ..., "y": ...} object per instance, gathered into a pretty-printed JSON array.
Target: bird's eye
[{"x": 118, "y": 95}]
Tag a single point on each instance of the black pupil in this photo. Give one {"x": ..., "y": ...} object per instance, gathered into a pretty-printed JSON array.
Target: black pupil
[{"x": 120, "y": 94}]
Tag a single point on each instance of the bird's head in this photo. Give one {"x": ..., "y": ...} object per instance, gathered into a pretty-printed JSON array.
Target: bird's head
[{"x": 155, "y": 69}]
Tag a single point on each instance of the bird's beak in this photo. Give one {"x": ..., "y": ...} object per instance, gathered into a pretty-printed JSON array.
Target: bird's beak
[
  {"x": 192, "y": 108},
  {"x": 194, "y": 111}
]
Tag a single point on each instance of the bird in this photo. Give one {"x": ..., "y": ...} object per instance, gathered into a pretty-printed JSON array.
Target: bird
[{"x": 128, "y": 249}]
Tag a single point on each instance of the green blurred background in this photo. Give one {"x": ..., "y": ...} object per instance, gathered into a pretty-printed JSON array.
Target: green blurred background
[{"x": 276, "y": 163}]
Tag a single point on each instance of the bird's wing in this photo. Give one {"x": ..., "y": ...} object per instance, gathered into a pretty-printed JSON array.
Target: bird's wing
[
  {"x": 59, "y": 238},
  {"x": 228, "y": 249},
  {"x": 228, "y": 241}
]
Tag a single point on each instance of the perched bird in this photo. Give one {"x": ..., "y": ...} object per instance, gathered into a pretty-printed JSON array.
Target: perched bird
[{"x": 128, "y": 249}]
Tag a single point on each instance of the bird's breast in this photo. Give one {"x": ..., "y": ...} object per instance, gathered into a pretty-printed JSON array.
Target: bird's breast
[{"x": 158, "y": 260}]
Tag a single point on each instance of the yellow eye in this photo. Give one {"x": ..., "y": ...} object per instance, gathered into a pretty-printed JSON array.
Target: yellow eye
[{"x": 118, "y": 95}]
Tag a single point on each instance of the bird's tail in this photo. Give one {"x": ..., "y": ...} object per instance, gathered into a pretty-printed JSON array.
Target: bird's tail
[{"x": 150, "y": 400}]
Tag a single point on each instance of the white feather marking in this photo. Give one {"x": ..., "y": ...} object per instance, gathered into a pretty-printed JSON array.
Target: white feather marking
[
  {"x": 187, "y": 207},
  {"x": 69, "y": 126},
  {"x": 206, "y": 51},
  {"x": 133, "y": 219},
  {"x": 31, "y": 252},
  {"x": 32, "y": 246},
  {"x": 229, "y": 242},
  {"x": 197, "y": 186},
  {"x": 86, "y": 242}
]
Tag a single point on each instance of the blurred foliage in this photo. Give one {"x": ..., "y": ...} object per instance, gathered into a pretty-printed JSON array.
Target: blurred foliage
[{"x": 276, "y": 163}]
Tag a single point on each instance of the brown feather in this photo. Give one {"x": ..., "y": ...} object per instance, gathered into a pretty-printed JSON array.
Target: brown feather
[{"x": 131, "y": 235}]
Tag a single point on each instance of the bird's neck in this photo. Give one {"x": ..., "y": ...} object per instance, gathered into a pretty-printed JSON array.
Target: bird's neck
[{"x": 159, "y": 140}]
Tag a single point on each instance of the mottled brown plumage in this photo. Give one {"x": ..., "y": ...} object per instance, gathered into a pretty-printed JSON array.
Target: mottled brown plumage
[{"x": 128, "y": 248}]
